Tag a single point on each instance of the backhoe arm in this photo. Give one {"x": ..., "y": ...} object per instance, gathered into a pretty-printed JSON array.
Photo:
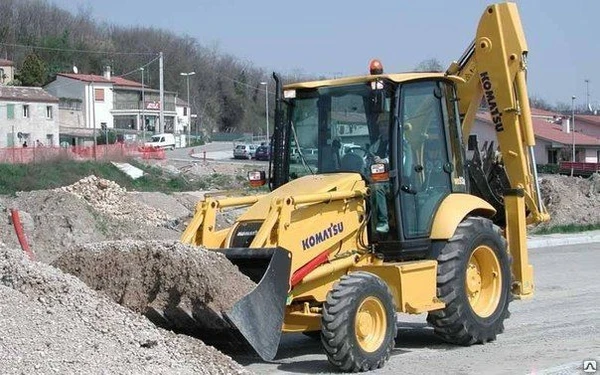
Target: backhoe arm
[{"x": 494, "y": 67}]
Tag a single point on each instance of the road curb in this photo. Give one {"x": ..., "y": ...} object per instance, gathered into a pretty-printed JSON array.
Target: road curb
[{"x": 563, "y": 239}]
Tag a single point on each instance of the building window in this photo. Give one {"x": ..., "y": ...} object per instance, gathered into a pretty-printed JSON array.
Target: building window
[
  {"x": 49, "y": 112},
  {"x": 552, "y": 156},
  {"x": 99, "y": 95},
  {"x": 2, "y": 76},
  {"x": 10, "y": 111},
  {"x": 25, "y": 111},
  {"x": 185, "y": 111}
]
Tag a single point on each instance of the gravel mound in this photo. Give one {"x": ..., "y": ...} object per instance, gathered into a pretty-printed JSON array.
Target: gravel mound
[
  {"x": 571, "y": 200},
  {"x": 111, "y": 199},
  {"x": 54, "y": 323}
]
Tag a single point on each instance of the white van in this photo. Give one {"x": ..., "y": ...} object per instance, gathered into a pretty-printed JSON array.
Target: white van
[{"x": 164, "y": 141}]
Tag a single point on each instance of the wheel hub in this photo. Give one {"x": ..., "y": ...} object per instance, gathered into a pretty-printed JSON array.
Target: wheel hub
[
  {"x": 370, "y": 324},
  {"x": 483, "y": 282}
]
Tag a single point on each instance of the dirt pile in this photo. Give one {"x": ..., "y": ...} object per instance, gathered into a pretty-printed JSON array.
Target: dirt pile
[
  {"x": 55, "y": 220},
  {"x": 175, "y": 285},
  {"x": 111, "y": 199},
  {"x": 571, "y": 200},
  {"x": 54, "y": 323}
]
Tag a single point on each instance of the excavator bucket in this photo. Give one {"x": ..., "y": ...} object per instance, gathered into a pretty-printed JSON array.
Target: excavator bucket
[
  {"x": 255, "y": 320},
  {"x": 258, "y": 316}
]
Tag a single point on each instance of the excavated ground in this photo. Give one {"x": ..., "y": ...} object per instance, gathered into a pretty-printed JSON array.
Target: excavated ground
[
  {"x": 54, "y": 323},
  {"x": 571, "y": 200},
  {"x": 154, "y": 277}
]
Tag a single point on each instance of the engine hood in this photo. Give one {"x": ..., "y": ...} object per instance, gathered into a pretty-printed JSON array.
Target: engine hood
[{"x": 312, "y": 184}]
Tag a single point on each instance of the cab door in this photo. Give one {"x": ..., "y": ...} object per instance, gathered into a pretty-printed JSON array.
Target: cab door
[{"x": 423, "y": 159}]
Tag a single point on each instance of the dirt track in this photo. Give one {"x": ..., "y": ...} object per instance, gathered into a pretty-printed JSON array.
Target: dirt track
[{"x": 549, "y": 334}]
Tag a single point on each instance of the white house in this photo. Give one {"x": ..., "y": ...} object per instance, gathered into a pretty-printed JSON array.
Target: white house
[
  {"x": 7, "y": 71},
  {"x": 110, "y": 102},
  {"x": 28, "y": 116},
  {"x": 183, "y": 116}
]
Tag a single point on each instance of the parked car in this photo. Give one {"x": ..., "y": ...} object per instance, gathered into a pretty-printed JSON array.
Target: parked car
[
  {"x": 244, "y": 151},
  {"x": 164, "y": 141},
  {"x": 263, "y": 153}
]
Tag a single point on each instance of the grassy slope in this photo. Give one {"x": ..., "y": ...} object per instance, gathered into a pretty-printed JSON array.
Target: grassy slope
[{"x": 27, "y": 177}]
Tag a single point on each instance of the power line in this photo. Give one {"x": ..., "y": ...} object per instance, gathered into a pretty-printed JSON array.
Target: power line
[
  {"x": 76, "y": 50},
  {"x": 137, "y": 69}
]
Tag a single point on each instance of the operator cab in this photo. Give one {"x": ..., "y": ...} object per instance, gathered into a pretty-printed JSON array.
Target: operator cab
[{"x": 399, "y": 132}]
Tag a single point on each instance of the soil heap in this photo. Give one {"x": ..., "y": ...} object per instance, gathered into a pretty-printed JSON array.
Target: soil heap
[
  {"x": 54, "y": 323},
  {"x": 571, "y": 200},
  {"x": 91, "y": 210},
  {"x": 177, "y": 286}
]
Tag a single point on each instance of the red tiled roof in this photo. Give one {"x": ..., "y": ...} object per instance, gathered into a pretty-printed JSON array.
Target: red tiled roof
[
  {"x": 590, "y": 119},
  {"x": 551, "y": 132},
  {"x": 543, "y": 112},
  {"x": 118, "y": 81},
  {"x": 26, "y": 94},
  {"x": 4, "y": 62}
]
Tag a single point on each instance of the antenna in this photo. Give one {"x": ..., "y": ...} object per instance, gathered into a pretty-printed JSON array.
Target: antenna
[{"x": 75, "y": 70}]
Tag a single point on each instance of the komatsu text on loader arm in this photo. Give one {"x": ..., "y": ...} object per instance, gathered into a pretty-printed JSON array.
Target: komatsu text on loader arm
[{"x": 377, "y": 207}]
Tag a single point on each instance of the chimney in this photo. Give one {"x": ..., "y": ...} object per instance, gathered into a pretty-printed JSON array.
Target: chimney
[
  {"x": 566, "y": 125},
  {"x": 107, "y": 72}
]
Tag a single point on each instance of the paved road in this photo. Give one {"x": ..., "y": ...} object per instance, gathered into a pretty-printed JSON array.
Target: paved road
[
  {"x": 550, "y": 334},
  {"x": 219, "y": 152}
]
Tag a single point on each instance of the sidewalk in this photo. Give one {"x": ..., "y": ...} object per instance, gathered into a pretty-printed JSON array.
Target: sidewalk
[{"x": 559, "y": 239}]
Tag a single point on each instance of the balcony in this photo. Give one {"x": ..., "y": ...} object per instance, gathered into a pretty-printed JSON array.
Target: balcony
[{"x": 136, "y": 105}]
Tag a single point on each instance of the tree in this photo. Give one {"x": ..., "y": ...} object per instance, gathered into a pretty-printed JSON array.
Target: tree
[
  {"x": 33, "y": 71},
  {"x": 430, "y": 65}
]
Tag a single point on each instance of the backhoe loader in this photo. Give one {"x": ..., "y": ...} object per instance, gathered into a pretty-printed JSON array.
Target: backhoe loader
[{"x": 350, "y": 236}]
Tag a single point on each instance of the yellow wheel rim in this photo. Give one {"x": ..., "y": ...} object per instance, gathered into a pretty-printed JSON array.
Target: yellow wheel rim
[
  {"x": 483, "y": 281},
  {"x": 370, "y": 324}
]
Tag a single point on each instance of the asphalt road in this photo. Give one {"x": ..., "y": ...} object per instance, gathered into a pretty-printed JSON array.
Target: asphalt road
[{"x": 553, "y": 333}]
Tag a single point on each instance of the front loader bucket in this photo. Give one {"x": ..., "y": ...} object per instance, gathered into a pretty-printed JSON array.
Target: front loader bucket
[{"x": 259, "y": 315}]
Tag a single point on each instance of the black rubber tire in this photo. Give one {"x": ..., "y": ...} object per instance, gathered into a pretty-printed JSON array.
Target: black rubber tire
[
  {"x": 338, "y": 322},
  {"x": 457, "y": 323}
]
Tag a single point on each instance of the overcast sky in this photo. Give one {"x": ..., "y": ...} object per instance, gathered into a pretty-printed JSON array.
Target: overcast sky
[{"x": 340, "y": 37}]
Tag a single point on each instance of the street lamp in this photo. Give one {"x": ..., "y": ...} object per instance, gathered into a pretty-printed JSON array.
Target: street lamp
[
  {"x": 187, "y": 75},
  {"x": 573, "y": 132},
  {"x": 266, "y": 106}
]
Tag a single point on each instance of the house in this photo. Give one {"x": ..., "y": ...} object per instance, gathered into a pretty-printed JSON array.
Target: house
[
  {"x": 588, "y": 124},
  {"x": 183, "y": 116},
  {"x": 105, "y": 102},
  {"x": 553, "y": 138},
  {"x": 7, "y": 71},
  {"x": 28, "y": 115}
]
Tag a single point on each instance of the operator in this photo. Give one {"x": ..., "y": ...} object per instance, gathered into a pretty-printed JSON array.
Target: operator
[{"x": 380, "y": 153}]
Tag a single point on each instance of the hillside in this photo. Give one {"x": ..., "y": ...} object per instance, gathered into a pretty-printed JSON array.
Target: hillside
[{"x": 225, "y": 93}]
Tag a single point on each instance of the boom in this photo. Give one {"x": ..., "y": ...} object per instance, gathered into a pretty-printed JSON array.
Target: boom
[{"x": 494, "y": 67}]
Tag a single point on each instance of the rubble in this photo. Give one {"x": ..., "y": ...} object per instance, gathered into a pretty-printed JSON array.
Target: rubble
[{"x": 54, "y": 323}]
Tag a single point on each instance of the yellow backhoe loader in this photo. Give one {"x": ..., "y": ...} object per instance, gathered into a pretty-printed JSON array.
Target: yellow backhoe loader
[{"x": 375, "y": 209}]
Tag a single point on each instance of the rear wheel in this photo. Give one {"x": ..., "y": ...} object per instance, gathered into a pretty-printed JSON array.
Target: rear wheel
[
  {"x": 474, "y": 281},
  {"x": 359, "y": 323}
]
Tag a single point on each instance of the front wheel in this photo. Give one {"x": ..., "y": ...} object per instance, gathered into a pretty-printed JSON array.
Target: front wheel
[
  {"x": 359, "y": 323},
  {"x": 474, "y": 280}
]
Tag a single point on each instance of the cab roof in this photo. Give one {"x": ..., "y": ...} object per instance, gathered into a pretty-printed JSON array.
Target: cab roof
[{"x": 398, "y": 78}]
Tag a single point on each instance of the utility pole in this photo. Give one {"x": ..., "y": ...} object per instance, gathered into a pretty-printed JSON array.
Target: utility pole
[
  {"x": 143, "y": 108},
  {"x": 266, "y": 106},
  {"x": 161, "y": 68},
  {"x": 573, "y": 132},
  {"x": 94, "y": 117}
]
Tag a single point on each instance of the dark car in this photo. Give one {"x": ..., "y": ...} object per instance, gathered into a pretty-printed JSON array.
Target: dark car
[{"x": 262, "y": 153}]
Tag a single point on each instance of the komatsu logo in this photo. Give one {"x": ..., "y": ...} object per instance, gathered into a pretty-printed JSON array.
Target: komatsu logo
[
  {"x": 315, "y": 239},
  {"x": 491, "y": 100}
]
